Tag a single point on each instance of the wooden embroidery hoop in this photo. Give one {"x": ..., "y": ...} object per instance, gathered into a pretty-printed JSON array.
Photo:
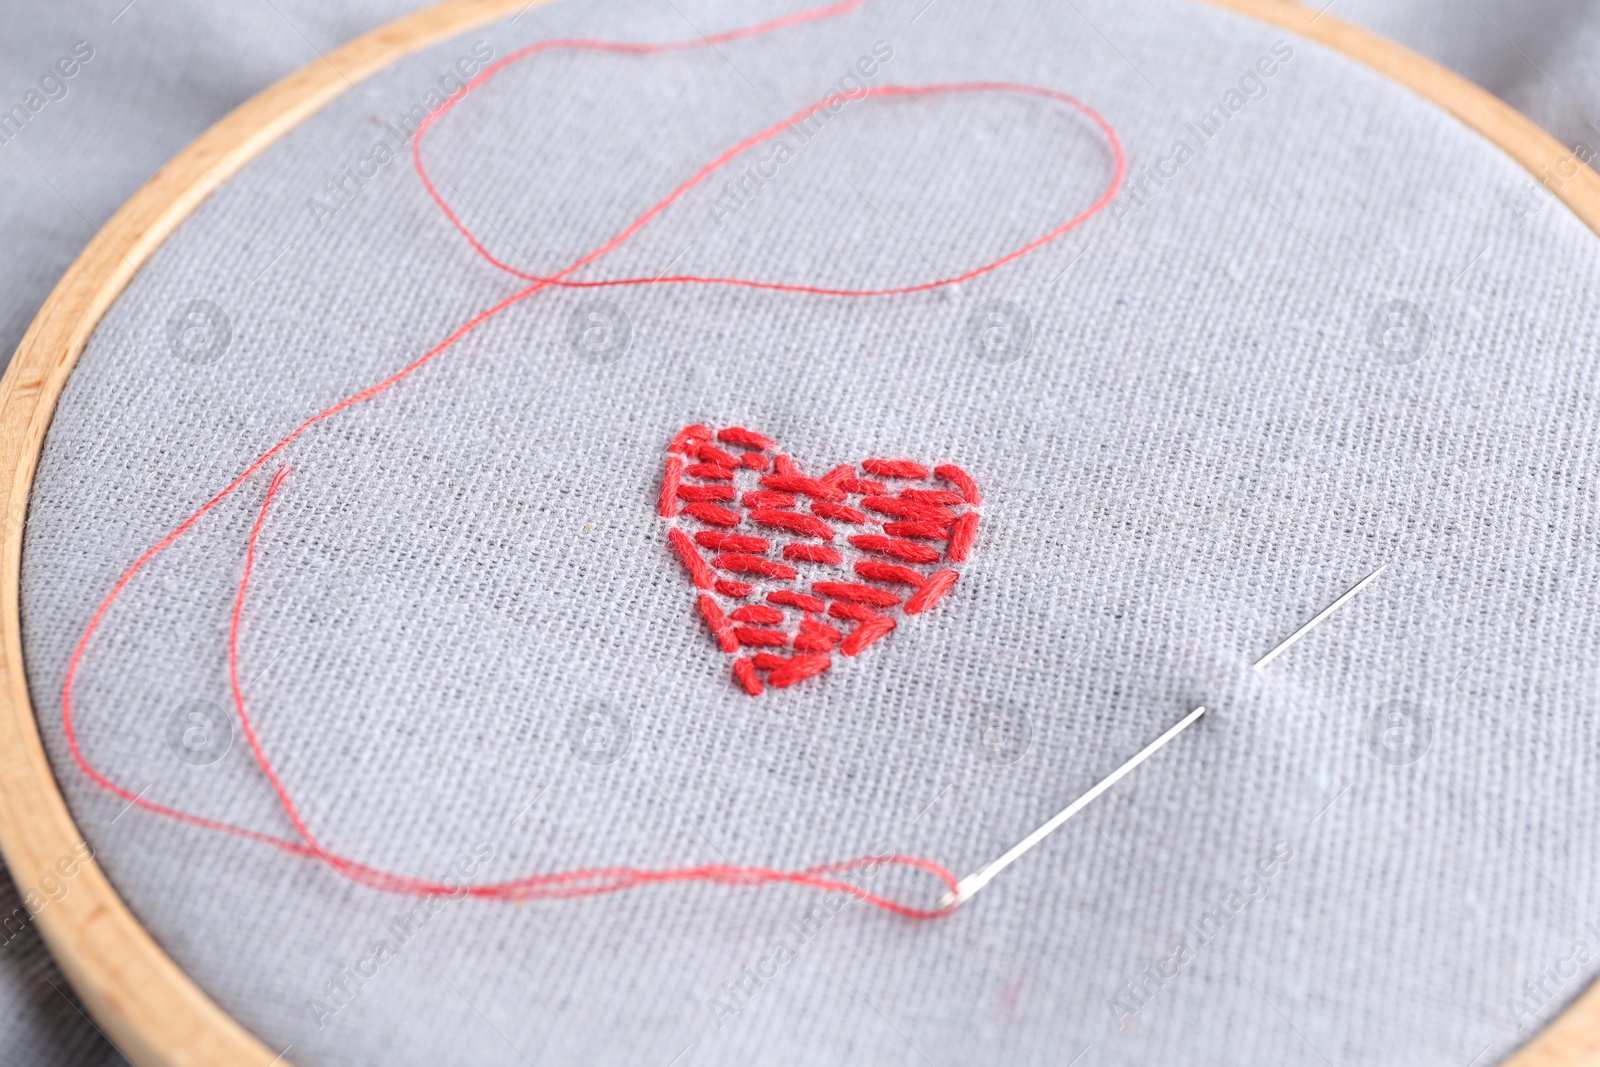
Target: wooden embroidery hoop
[{"x": 149, "y": 1008}]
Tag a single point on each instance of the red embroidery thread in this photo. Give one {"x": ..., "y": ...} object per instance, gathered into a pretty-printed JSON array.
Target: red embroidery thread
[
  {"x": 917, "y": 510},
  {"x": 711, "y": 464}
]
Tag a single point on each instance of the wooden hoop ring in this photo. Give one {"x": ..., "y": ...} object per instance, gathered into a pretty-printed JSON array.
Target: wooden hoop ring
[{"x": 148, "y": 1007}]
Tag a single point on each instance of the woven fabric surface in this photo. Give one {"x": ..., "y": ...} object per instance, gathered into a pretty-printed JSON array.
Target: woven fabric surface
[
  {"x": 157, "y": 75},
  {"x": 1202, "y": 447}
]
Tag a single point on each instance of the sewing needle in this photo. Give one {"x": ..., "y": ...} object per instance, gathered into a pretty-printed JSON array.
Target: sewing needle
[{"x": 982, "y": 877}]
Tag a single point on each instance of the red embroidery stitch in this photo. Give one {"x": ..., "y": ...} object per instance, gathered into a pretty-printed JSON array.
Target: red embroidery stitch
[
  {"x": 718, "y": 541},
  {"x": 712, "y": 514},
  {"x": 687, "y": 436},
  {"x": 907, "y": 509},
  {"x": 812, "y": 553},
  {"x": 865, "y": 594},
  {"x": 928, "y": 531},
  {"x": 745, "y": 671},
  {"x": 933, "y": 496},
  {"x": 889, "y": 572},
  {"x": 865, "y": 634},
  {"x": 918, "y": 512},
  {"x": 894, "y": 468},
  {"x": 747, "y": 564},
  {"x": 789, "y": 520},
  {"x": 669, "y": 487},
  {"x": 699, "y": 573},
  {"x": 751, "y": 635},
  {"x": 738, "y": 435},
  {"x": 758, "y": 613},
  {"x": 706, "y": 492},
  {"x": 713, "y": 454},
  {"x": 796, "y": 600},
  {"x": 962, "y": 535},
  {"x": 718, "y": 623},
  {"x": 838, "y": 512},
  {"x": 906, "y": 550},
  {"x": 765, "y": 498},
  {"x": 798, "y": 669},
  {"x": 935, "y": 587},
  {"x": 812, "y": 487},
  {"x": 710, "y": 470}
]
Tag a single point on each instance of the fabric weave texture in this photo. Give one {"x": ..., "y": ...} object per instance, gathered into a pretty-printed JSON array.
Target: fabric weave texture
[{"x": 1203, "y": 446}]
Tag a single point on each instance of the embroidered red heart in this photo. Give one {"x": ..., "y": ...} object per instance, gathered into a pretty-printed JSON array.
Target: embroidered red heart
[{"x": 775, "y": 552}]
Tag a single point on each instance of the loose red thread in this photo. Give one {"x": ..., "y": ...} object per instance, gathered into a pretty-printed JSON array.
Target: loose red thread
[{"x": 711, "y": 464}]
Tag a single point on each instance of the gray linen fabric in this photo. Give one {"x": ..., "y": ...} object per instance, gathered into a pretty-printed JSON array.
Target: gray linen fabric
[
  {"x": 157, "y": 76},
  {"x": 1201, "y": 448}
]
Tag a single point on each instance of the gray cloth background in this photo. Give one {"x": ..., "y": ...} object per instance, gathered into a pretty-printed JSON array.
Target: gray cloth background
[
  {"x": 161, "y": 74},
  {"x": 1201, "y": 450}
]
